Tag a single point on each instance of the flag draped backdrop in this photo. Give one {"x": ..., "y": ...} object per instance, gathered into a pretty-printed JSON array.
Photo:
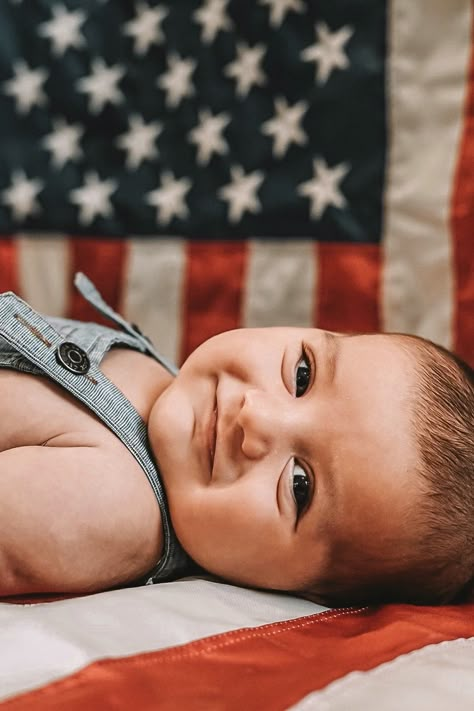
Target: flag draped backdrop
[{"x": 212, "y": 164}]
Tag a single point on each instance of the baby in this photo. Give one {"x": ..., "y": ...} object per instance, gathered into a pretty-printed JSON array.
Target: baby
[{"x": 338, "y": 467}]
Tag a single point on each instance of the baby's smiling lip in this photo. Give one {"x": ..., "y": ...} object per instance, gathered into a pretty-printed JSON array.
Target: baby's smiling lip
[{"x": 211, "y": 437}]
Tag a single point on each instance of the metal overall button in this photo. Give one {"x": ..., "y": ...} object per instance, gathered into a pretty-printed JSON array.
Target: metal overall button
[{"x": 73, "y": 358}]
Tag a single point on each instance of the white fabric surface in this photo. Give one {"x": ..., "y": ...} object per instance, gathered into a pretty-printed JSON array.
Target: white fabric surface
[
  {"x": 430, "y": 46},
  {"x": 439, "y": 677},
  {"x": 46, "y": 641}
]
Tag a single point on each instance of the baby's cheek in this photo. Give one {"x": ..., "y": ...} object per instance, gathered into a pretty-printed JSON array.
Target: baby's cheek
[
  {"x": 201, "y": 516},
  {"x": 198, "y": 363},
  {"x": 174, "y": 418}
]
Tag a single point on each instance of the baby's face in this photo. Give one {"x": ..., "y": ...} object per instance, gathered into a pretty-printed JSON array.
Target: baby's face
[{"x": 275, "y": 445}]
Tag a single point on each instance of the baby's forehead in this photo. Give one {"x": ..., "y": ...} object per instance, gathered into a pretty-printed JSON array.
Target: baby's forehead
[{"x": 388, "y": 349}]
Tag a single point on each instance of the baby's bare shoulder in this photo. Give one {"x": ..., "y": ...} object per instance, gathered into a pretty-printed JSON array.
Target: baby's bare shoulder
[
  {"x": 74, "y": 519},
  {"x": 77, "y": 512},
  {"x": 35, "y": 410}
]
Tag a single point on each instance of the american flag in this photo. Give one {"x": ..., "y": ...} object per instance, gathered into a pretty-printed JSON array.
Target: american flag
[{"x": 220, "y": 163}]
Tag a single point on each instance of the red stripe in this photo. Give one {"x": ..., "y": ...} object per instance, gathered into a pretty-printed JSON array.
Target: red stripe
[
  {"x": 348, "y": 287},
  {"x": 9, "y": 280},
  {"x": 269, "y": 667},
  {"x": 104, "y": 262},
  {"x": 462, "y": 224},
  {"x": 215, "y": 273}
]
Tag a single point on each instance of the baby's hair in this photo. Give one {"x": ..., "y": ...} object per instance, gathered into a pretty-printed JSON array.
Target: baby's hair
[
  {"x": 444, "y": 425},
  {"x": 434, "y": 564}
]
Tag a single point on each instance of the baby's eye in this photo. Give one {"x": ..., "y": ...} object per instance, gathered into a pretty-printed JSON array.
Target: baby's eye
[
  {"x": 303, "y": 374},
  {"x": 301, "y": 488}
]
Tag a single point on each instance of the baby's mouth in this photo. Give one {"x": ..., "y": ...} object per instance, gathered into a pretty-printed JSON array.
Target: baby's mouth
[{"x": 211, "y": 438}]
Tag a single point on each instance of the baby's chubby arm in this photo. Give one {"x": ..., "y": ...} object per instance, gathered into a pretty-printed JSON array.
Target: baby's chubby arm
[{"x": 73, "y": 519}]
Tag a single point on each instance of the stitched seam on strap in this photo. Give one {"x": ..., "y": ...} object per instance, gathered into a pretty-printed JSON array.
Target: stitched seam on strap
[{"x": 33, "y": 330}]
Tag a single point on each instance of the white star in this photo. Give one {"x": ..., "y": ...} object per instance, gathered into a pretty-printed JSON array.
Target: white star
[
  {"x": 177, "y": 80},
  {"x": 285, "y": 126},
  {"x": 93, "y": 198},
  {"x": 245, "y": 69},
  {"x": 328, "y": 51},
  {"x": 63, "y": 142},
  {"x": 207, "y": 135},
  {"x": 323, "y": 189},
  {"x": 145, "y": 28},
  {"x": 212, "y": 17},
  {"x": 21, "y": 195},
  {"x": 101, "y": 85},
  {"x": 139, "y": 141},
  {"x": 64, "y": 29},
  {"x": 279, "y": 8},
  {"x": 26, "y": 87},
  {"x": 169, "y": 198},
  {"x": 241, "y": 192}
]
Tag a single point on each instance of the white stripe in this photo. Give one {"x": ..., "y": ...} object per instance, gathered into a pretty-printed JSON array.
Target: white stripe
[
  {"x": 280, "y": 285},
  {"x": 435, "y": 678},
  {"x": 43, "y": 265},
  {"x": 40, "y": 643},
  {"x": 429, "y": 54},
  {"x": 153, "y": 291}
]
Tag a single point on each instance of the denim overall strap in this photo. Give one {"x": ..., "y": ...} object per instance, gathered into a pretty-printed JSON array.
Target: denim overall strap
[
  {"x": 35, "y": 339},
  {"x": 92, "y": 295}
]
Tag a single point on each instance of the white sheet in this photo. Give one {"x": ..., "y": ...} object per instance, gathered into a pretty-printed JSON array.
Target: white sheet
[{"x": 43, "y": 642}]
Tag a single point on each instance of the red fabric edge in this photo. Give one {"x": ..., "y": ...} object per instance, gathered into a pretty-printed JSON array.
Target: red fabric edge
[
  {"x": 462, "y": 226},
  {"x": 268, "y": 667},
  {"x": 9, "y": 280},
  {"x": 213, "y": 290},
  {"x": 348, "y": 287}
]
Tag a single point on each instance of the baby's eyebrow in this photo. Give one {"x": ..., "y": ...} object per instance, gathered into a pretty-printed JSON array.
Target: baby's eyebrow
[{"x": 332, "y": 355}]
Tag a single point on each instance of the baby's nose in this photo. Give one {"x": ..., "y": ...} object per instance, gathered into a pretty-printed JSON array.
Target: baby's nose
[{"x": 259, "y": 420}]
